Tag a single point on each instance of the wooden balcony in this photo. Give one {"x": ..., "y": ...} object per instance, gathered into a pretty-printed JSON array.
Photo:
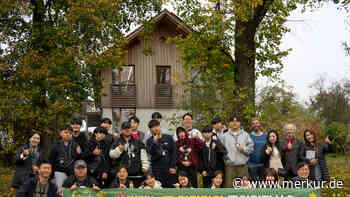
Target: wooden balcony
[
  {"x": 123, "y": 95},
  {"x": 163, "y": 96}
]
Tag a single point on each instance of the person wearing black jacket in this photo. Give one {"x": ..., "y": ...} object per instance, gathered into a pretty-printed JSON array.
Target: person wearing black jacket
[
  {"x": 79, "y": 137},
  {"x": 130, "y": 152},
  {"x": 313, "y": 153},
  {"x": 218, "y": 128},
  {"x": 63, "y": 155},
  {"x": 28, "y": 159},
  {"x": 163, "y": 153},
  {"x": 39, "y": 185},
  {"x": 210, "y": 156},
  {"x": 109, "y": 139},
  {"x": 290, "y": 150},
  {"x": 301, "y": 180},
  {"x": 271, "y": 155},
  {"x": 80, "y": 179},
  {"x": 121, "y": 180},
  {"x": 98, "y": 160}
]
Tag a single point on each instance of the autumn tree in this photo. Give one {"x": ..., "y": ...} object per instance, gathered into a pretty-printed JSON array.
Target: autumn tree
[
  {"x": 52, "y": 54},
  {"x": 278, "y": 104},
  {"x": 238, "y": 39},
  {"x": 331, "y": 103}
]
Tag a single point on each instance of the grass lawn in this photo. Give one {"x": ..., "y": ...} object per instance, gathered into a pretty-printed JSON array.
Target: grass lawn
[
  {"x": 339, "y": 168},
  {"x": 5, "y": 182}
]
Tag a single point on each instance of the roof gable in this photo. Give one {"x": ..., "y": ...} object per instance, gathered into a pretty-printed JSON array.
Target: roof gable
[{"x": 164, "y": 15}]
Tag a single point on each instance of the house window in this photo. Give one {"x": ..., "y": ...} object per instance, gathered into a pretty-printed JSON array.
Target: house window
[
  {"x": 125, "y": 76},
  {"x": 122, "y": 114},
  {"x": 163, "y": 74}
]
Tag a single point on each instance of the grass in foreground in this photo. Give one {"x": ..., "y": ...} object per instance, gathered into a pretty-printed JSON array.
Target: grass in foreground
[
  {"x": 339, "y": 169},
  {"x": 5, "y": 182}
]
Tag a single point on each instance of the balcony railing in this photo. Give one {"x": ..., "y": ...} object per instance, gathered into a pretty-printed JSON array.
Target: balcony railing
[
  {"x": 123, "y": 95},
  {"x": 163, "y": 96},
  {"x": 164, "y": 90}
]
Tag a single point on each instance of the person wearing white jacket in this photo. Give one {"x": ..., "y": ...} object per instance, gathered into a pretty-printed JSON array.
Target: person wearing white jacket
[
  {"x": 239, "y": 145},
  {"x": 187, "y": 122}
]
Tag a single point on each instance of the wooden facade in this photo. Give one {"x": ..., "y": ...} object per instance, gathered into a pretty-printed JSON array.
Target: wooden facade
[{"x": 147, "y": 91}]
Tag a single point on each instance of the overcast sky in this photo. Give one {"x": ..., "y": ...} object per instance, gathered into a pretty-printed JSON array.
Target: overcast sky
[{"x": 316, "y": 39}]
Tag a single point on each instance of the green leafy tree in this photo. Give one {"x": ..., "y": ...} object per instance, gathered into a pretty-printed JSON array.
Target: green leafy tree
[
  {"x": 278, "y": 105},
  {"x": 331, "y": 102},
  {"x": 232, "y": 44},
  {"x": 340, "y": 133},
  {"x": 52, "y": 55}
]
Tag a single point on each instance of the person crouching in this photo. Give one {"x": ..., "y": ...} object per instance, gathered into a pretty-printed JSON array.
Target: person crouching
[{"x": 80, "y": 179}]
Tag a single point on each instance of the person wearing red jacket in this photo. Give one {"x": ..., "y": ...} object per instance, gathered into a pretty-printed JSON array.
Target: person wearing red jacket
[{"x": 187, "y": 151}]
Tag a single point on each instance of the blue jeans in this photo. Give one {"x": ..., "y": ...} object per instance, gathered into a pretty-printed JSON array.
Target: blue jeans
[{"x": 256, "y": 172}]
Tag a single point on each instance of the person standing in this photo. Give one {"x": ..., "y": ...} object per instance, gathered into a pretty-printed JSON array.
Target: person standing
[
  {"x": 162, "y": 149},
  {"x": 187, "y": 122},
  {"x": 211, "y": 156},
  {"x": 79, "y": 137},
  {"x": 218, "y": 127},
  {"x": 291, "y": 149},
  {"x": 313, "y": 153},
  {"x": 98, "y": 160},
  {"x": 63, "y": 155},
  {"x": 109, "y": 138},
  {"x": 28, "y": 159},
  {"x": 187, "y": 154},
  {"x": 255, "y": 166},
  {"x": 135, "y": 133},
  {"x": 239, "y": 146},
  {"x": 131, "y": 153},
  {"x": 271, "y": 152},
  {"x": 155, "y": 116}
]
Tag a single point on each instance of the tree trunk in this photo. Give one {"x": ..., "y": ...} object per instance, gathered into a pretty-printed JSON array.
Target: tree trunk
[
  {"x": 245, "y": 52},
  {"x": 245, "y": 70}
]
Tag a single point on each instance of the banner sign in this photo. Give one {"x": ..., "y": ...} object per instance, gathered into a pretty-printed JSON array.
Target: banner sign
[{"x": 197, "y": 192}]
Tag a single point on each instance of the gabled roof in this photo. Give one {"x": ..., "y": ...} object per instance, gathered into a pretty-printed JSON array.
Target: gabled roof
[{"x": 165, "y": 13}]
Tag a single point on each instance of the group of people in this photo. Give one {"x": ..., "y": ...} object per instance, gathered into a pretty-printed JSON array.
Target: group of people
[{"x": 155, "y": 159}]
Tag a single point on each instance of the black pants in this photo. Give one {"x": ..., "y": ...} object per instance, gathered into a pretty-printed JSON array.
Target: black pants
[
  {"x": 164, "y": 176},
  {"x": 256, "y": 173},
  {"x": 192, "y": 173},
  {"x": 137, "y": 180},
  {"x": 207, "y": 181}
]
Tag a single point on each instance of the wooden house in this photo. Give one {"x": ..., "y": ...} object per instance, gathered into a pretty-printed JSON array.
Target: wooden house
[{"x": 147, "y": 83}]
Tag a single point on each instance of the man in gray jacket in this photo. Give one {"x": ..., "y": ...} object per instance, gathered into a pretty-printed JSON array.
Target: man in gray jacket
[{"x": 239, "y": 145}]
